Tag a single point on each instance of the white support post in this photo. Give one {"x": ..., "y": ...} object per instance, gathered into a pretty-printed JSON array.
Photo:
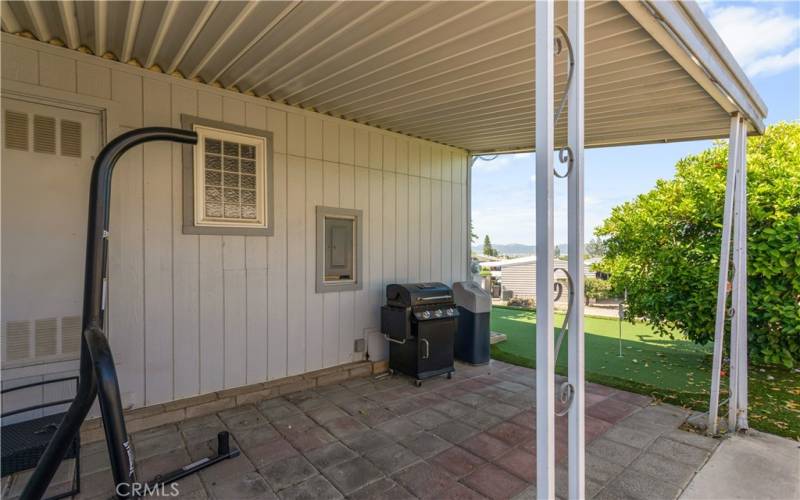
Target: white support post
[
  {"x": 575, "y": 209},
  {"x": 733, "y": 378},
  {"x": 742, "y": 422},
  {"x": 737, "y": 415},
  {"x": 470, "y": 162},
  {"x": 724, "y": 261},
  {"x": 545, "y": 392}
]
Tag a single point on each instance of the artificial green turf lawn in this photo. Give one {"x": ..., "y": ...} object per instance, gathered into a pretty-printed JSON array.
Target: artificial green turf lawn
[{"x": 673, "y": 370}]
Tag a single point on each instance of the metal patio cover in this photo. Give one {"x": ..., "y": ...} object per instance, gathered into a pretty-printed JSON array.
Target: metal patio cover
[{"x": 458, "y": 73}]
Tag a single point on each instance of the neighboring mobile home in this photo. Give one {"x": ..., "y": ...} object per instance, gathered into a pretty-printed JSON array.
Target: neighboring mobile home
[{"x": 518, "y": 277}]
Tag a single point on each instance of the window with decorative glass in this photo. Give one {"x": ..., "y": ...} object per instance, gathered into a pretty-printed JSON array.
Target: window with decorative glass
[{"x": 230, "y": 179}]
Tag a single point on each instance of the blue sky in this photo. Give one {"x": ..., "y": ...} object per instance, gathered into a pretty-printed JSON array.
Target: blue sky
[{"x": 765, "y": 39}]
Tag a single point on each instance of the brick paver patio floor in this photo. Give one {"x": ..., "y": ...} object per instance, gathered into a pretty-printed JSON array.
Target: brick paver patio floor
[{"x": 469, "y": 437}]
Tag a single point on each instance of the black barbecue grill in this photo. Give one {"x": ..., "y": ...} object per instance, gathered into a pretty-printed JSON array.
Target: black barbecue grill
[{"x": 420, "y": 322}]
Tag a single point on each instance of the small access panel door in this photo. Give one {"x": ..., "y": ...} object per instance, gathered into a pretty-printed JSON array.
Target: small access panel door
[{"x": 339, "y": 237}]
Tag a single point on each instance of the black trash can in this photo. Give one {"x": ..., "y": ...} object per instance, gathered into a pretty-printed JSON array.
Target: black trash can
[{"x": 474, "y": 306}]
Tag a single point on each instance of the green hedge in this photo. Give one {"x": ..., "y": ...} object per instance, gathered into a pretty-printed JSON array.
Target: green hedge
[
  {"x": 664, "y": 246},
  {"x": 594, "y": 288}
]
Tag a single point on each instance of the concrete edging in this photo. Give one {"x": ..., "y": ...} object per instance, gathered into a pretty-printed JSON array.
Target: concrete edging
[{"x": 147, "y": 417}]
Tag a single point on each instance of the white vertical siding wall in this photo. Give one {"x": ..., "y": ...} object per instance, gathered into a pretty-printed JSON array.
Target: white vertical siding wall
[
  {"x": 521, "y": 280},
  {"x": 191, "y": 314}
]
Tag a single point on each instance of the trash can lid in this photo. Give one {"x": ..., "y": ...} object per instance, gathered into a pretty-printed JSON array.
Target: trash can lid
[{"x": 472, "y": 297}]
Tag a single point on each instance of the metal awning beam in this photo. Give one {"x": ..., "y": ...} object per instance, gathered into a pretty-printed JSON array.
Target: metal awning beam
[
  {"x": 66, "y": 9},
  {"x": 264, "y": 32},
  {"x": 498, "y": 123},
  {"x": 308, "y": 27},
  {"x": 629, "y": 85},
  {"x": 432, "y": 70},
  {"x": 9, "y": 19},
  {"x": 417, "y": 35},
  {"x": 432, "y": 64},
  {"x": 489, "y": 65},
  {"x": 131, "y": 29},
  {"x": 681, "y": 29},
  {"x": 470, "y": 52},
  {"x": 161, "y": 32},
  {"x": 487, "y": 147},
  {"x": 100, "y": 27},
  {"x": 38, "y": 19},
  {"x": 355, "y": 46},
  {"x": 232, "y": 28},
  {"x": 668, "y": 94},
  {"x": 199, "y": 24}
]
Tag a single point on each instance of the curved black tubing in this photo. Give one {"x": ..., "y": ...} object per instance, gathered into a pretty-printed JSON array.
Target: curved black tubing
[
  {"x": 96, "y": 359},
  {"x": 99, "y": 205}
]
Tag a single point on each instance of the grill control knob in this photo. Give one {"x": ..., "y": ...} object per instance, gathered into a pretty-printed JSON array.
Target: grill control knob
[
  {"x": 450, "y": 311},
  {"x": 439, "y": 313},
  {"x": 426, "y": 314}
]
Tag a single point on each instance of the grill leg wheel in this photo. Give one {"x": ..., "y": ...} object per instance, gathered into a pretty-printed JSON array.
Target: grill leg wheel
[
  {"x": 449, "y": 375},
  {"x": 418, "y": 383}
]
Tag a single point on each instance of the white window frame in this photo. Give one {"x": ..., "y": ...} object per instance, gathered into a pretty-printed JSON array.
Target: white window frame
[
  {"x": 194, "y": 169},
  {"x": 260, "y": 143}
]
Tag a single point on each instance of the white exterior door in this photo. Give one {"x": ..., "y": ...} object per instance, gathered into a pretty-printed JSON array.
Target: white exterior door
[{"x": 47, "y": 157}]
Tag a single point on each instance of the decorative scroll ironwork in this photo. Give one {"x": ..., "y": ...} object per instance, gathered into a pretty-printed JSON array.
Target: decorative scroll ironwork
[
  {"x": 566, "y": 391},
  {"x": 571, "y": 53},
  {"x": 565, "y": 154}
]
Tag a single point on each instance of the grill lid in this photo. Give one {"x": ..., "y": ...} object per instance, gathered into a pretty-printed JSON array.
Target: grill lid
[{"x": 415, "y": 294}]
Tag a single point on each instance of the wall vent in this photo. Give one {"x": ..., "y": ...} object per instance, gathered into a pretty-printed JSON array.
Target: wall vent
[
  {"x": 18, "y": 334},
  {"x": 70, "y": 334},
  {"x": 46, "y": 336},
  {"x": 16, "y": 130},
  {"x": 42, "y": 342},
  {"x": 44, "y": 134},
  {"x": 70, "y": 138}
]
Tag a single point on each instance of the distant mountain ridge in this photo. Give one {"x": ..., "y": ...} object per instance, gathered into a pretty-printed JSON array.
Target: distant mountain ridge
[{"x": 516, "y": 249}]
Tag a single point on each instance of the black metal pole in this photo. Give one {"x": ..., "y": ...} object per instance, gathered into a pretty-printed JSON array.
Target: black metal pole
[
  {"x": 119, "y": 449},
  {"x": 95, "y": 353}
]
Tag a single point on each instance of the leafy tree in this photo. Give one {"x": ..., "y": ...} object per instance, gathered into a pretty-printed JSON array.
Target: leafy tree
[
  {"x": 664, "y": 246},
  {"x": 472, "y": 236},
  {"x": 595, "y": 247},
  {"x": 557, "y": 252},
  {"x": 487, "y": 247}
]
